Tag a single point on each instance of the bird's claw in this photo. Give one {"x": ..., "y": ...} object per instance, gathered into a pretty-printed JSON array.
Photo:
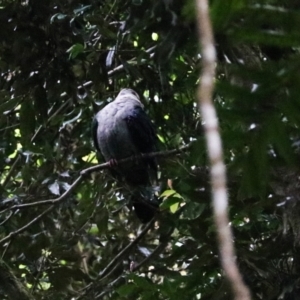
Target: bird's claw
[{"x": 113, "y": 163}]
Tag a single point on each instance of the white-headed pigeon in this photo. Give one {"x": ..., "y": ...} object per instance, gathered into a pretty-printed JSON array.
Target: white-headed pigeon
[{"x": 122, "y": 129}]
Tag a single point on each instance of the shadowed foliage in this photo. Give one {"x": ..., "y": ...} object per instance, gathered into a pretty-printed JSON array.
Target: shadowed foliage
[{"x": 61, "y": 62}]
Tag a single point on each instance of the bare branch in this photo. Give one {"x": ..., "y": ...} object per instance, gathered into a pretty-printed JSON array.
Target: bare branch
[
  {"x": 109, "y": 287},
  {"x": 7, "y": 218},
  {"x": 114, "y": 263},
  {"x": 14, "y": 233},
  {"x": 11, "y": 170},
  {"x": 49, "y": 201},
  {"x": 73, "y": 186},
  {"x": 161, "y": 246},
  {"x": 121, "y": 254},
  {"x": 117, "y": 69},
  {"x": 112, "y": 285},
  {"x": 37, "y": 132},
  {"x": 215, "y": 154},
  {"x": 90, "y": 170},
  {"x": 148, "y": 155},
  {"x": 11, "y": 285}
]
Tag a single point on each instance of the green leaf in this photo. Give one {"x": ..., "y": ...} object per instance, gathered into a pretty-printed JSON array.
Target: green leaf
[
  {"x": 126, "y": 290},
  {"x": 170, "y": 201},
  {"x": 168, "y": 193},
  {"x": 174, "y": 207},
  {"x": 193, "y": 210},
  {"x": 75, "y": 50},
  {"x": 141, "y": 282}
]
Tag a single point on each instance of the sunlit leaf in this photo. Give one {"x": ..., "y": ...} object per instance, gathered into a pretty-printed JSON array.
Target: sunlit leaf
[{"x": 75, "y": 50}]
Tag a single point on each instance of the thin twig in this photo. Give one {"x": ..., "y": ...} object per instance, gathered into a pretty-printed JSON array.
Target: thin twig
[
  {"x": 18, "y": 157},
  {"x": 87, "y": 171},
  {"x": 160, "y": 247},
  {"x": 109, "y": 287},
  {"x": 7, "y": 218},
  {"x": 112, "y": 284},
  {"x": 215, "y": 153},
  {"x": 72, "y": 187},
  {"x": 115, "y": 70},
  {"x": 49, "y": 201},
  {"x": 10, "y": 127},
  {"x": 14, "y": 233},
  {"x": 11, "y": 170},
  {"x": 114, "y": 263},
  {"x": 120, "y": 255},
  {"x": 109, "y": 273},
  {"x": 5, "y": 250}
]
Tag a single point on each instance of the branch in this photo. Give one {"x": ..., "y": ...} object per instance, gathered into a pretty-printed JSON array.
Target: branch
[
  {"x": 72, "y": 187},
  {"x": 12, "y": 234},
  {"x": 18, "y": 157},
  {"x": 161, "y": 246},
  {"x": 120, "y": 255},
  {"x": 11, "y": 170},
  {"x": 7, "y": 219},
  {"x": 49, "y": 201},
  {"x": 156, "y": 251},
  {"x": 117, "y": 69},
  {"x": 109, "y": 287},
  {"x": 11, "y": 285},
  {"x": 114, "y": 263},
  {"x": 215, "y": 154},
  {"x": 143, "y": 156},
  {"x": 112, "y": 284},
  {"x": 90, "y": 170}
]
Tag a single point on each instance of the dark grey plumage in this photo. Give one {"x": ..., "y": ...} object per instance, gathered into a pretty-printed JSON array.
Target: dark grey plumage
[{"x": 123, "y": 129}]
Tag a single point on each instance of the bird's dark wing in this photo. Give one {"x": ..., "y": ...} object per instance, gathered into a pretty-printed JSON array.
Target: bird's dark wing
[
  {"x": 141, "y": 130},
  {"x": 94, "y": 134},
  {"x": 142, "y": 133}
]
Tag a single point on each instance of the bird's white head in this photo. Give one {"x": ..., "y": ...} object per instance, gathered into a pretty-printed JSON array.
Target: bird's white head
[
  {"x": 129, "y": 96},
  {"x": 128, "y": 93}
]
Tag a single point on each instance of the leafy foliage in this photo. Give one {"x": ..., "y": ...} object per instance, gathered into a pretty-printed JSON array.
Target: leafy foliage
[{"x": 62, "y": 61}]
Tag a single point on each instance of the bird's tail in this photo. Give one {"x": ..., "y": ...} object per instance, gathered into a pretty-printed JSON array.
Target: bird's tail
[{"x": 145, "y": 203}]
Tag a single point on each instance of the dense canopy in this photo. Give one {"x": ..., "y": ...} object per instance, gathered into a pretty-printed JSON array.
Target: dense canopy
[{"x": 60, "y": 63}]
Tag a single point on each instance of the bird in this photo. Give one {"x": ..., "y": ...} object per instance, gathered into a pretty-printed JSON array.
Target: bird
[{"x": 120, "y": 130}]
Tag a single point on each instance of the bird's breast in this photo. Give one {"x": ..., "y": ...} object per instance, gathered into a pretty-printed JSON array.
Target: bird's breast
[{"x": 114, "y": 136}]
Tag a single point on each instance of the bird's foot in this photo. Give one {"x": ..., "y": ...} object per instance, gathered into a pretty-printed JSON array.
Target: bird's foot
[{"x": 113, "y": 163}]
